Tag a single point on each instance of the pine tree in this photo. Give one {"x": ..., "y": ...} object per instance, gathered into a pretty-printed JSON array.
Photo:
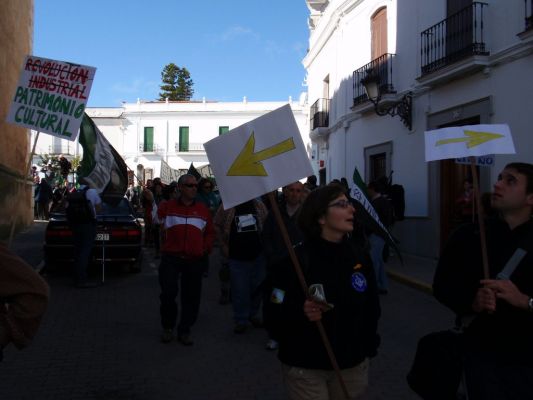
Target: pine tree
[{"x": 177, "y": 83}]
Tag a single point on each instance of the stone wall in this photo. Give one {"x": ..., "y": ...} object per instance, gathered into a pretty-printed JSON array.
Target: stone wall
[{"x": 16, "y": 31}]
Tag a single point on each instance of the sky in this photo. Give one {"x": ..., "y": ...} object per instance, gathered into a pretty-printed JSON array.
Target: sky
[{"x": 232, "y": 48}]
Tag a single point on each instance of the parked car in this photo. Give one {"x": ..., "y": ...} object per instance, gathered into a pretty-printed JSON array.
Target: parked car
[{"x": 118, "y": 237}]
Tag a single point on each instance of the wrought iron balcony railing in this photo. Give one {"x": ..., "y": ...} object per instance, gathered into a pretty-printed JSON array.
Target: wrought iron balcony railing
[
  {"x": 381, "y": 68},
  {"x": 190, "y": 147},
  {"x": 529, "y": 14},
  {"x": 457, "y": 37},
  {"x": 320, "y": 114}
]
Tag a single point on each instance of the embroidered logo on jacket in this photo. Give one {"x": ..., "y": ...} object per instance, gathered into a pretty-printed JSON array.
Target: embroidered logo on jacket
[
  {"x": 277, "y": 296},
  {"x": 359, "y": 282}
]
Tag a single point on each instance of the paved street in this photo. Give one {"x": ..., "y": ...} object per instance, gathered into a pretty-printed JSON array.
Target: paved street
[{"x": 103, "y": 343}]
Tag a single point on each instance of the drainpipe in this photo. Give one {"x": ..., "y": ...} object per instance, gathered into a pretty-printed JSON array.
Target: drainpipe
[{"x": 166, "y": 147}]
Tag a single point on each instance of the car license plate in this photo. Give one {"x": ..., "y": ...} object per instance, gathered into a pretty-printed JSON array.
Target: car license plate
[{"x": 102, "y": 236}]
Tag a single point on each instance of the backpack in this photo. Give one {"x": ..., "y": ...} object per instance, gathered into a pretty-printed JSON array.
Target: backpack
[{"x": 79, "y": 209}]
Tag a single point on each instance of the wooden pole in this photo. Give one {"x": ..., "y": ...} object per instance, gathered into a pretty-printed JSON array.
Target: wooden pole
[
  {"x": 305, "y": 288},
  {"x": 481, "y": 219}
]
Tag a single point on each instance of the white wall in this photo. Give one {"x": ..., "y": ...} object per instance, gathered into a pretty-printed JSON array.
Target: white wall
[{"x": 340, "y": 44}]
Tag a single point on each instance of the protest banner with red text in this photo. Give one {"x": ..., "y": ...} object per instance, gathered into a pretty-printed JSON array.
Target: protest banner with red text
[{"x": 51, "y": 96}]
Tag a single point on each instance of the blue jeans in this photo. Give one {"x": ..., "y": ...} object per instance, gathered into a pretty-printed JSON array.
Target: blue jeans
[
  {"x": 377, "y": 244},
  {"x": 83, "y": 236},
  {"x": 172, "y": 270},
  {"x": 246, "y": 278}
]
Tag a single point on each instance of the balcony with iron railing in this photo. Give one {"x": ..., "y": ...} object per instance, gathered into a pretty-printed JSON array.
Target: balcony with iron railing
[
  {"x": 192, "y": 147},
  {"x": 528, "y": 6},
  {"x": 319, "y": 113},
  {"x": 380, "y": 69},
  {"x": 151, "y": 148},
  {"x": 455, "y": 38}
]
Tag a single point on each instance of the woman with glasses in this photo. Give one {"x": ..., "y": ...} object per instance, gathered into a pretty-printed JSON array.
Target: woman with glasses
[{"x": 346, "y": 300}]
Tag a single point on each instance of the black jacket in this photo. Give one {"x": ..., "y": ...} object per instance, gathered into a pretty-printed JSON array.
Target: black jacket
[
  {"x": 506, "y": 334},
  {"x": 274, "y": 246},
  {"x": 349, "y": 284}
]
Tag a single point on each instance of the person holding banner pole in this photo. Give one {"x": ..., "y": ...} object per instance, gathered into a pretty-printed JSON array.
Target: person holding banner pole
[
  {"x": 498, "y": 359},
  {"x": 342, "y": 301}
]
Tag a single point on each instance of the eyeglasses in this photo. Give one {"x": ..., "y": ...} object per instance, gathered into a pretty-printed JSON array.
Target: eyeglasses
[
  {"x": 341, "y": 204},
  {"x": 208, "y": 187},
  {"x": 190, "y": 185}
]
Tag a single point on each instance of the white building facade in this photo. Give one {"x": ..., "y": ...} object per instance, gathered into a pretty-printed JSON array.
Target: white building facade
[
  {"x": 461, "y": 62},
  {"x": 152, "y": 134}
]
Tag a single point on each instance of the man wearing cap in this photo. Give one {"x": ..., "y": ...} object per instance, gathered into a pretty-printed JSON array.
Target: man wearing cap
[{"x": 188, "y": 237}]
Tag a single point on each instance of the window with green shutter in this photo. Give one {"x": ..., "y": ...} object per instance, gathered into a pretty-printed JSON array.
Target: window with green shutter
[
  {"x": 222, "y": 130},
  {"x": 184, "y": 138},
  {"x": 148, "y": 138}
]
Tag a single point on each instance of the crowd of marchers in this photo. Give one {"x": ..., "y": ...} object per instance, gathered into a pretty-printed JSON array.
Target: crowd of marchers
[
  {"x": 302, "y": 264},
  {"x": 342, "y": 266}
]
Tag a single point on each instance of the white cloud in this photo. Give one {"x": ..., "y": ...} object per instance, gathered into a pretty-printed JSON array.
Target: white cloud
[{"x": 233, "y": 33}]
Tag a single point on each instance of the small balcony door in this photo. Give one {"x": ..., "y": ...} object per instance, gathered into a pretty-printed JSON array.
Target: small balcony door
[
  {"x": 459, "y": 27},
  {"x": 378, "y": 26}
]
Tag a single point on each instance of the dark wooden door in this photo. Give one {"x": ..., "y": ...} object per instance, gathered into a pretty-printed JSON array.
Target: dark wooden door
[
  {"x": 452, "y": 177},
  {"x": 459, "y": 29}
]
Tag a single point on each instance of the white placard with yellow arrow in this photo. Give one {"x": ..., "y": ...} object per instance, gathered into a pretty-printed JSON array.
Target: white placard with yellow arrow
[
  {"x": 258, "y": 157},
  {"x": 468, "y": 140}
]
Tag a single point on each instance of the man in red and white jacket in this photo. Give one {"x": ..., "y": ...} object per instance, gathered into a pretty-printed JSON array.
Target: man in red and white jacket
[{"x": 188, "y": 237}]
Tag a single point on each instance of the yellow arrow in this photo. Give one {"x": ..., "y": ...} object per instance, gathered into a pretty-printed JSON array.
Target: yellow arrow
[
  {"x": 472, "y": 138},
  {"x": 248, "y": 163}
]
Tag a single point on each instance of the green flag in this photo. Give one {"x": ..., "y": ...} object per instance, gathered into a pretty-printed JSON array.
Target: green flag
[
  {"x": 359, "y": 181},
  {"x": 193, "y": 171},
  {"x": 101, "y": 167}
]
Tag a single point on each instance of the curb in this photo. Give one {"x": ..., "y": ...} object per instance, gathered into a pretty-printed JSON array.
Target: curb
[{"x": 412, "y": 282}]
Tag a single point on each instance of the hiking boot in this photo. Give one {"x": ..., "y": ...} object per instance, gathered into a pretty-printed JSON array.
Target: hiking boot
[
  {"x": 240, "y": 328},
  {"x": 185, "y": 339},
  {"x": 167, "y": 336}
]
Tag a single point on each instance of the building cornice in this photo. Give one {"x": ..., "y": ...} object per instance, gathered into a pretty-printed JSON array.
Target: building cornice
[{"x": 324, "y": 32}]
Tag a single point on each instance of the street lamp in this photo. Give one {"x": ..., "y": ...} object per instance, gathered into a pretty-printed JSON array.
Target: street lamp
[{"x": 402, "y": 108}]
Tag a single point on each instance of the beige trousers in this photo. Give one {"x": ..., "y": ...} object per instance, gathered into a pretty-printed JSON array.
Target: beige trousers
[{"x": 320, "y": 384}]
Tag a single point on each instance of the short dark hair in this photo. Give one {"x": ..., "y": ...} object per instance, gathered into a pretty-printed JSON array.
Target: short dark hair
[
  {"x": 183, "y": 177},
  {"x": 316, "y": 206},
  {"x": 524, "y": 169},
  {"x": 376, "y": 186}
]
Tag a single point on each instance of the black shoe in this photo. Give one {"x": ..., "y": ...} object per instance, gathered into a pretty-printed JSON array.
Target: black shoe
[
  {"x": 167, "y": 336},
  {"x": 185, "y": 339},
  {"x": 240, "y": 328},
  {"x": 86, "y": 285}
]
